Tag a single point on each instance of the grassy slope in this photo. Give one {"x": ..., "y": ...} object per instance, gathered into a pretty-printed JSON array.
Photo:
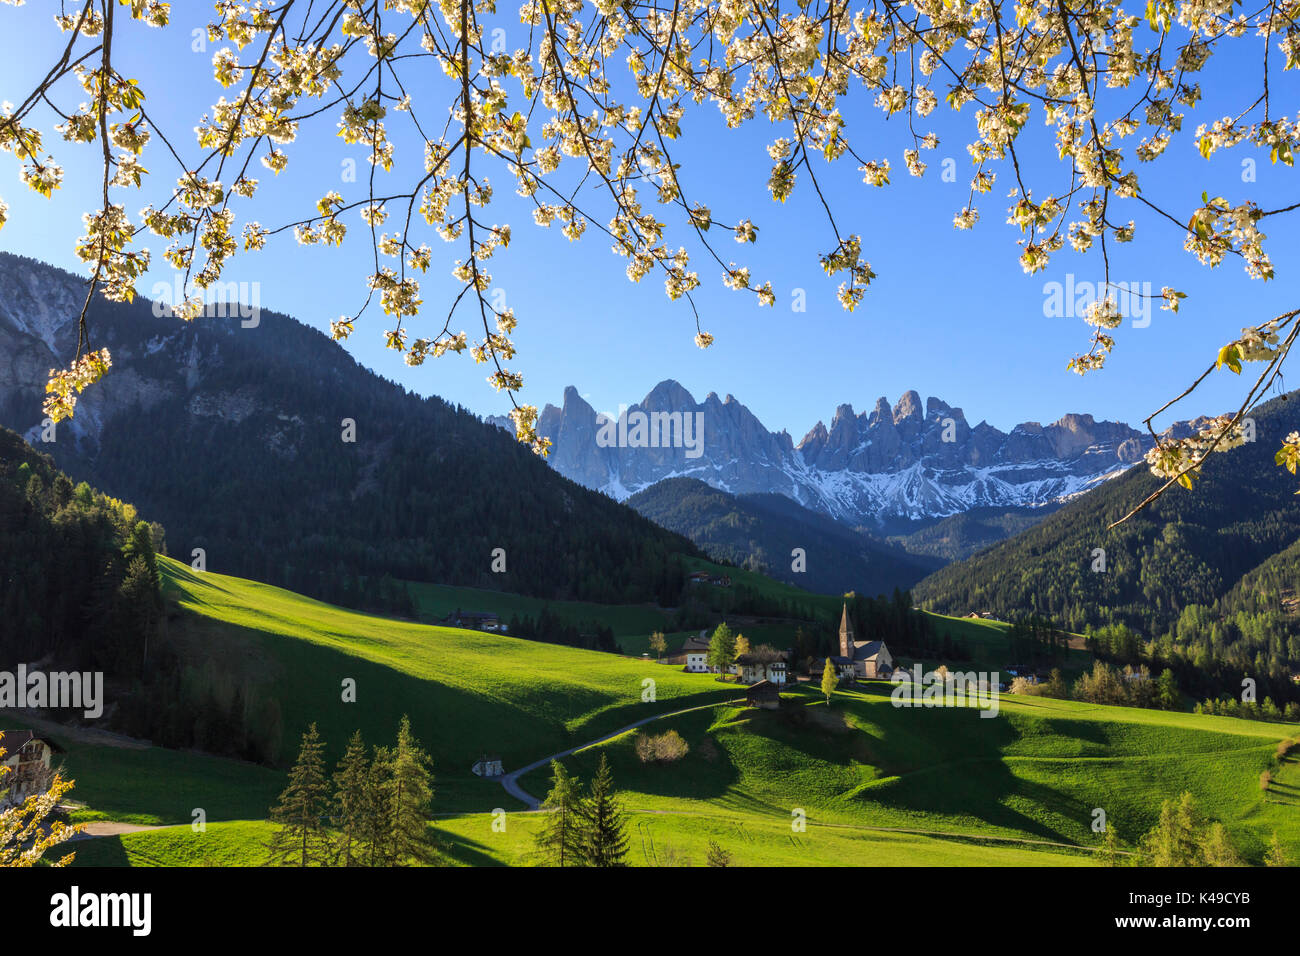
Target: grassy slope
[
  {"x": 434, "y": 601},
  {"x": 1035, "y": 772},
  {"x": 655, "y": 840},
  {"x": 466, "y": 692},
  {"x": 155, "y": 786}
]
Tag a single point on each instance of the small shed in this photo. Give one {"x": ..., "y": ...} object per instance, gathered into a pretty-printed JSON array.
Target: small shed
[
  {"x": 764, "y": 694},
  {"x": 488, "y": 766}
]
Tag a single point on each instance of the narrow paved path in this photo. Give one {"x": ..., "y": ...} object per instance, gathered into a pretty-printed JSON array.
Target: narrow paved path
[
  {"x": 511, "y": 780},
  {"x": 103, "y": 828}
]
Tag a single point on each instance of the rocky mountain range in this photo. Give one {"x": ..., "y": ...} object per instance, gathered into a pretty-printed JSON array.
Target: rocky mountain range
[{"x": 886, "y": 468}]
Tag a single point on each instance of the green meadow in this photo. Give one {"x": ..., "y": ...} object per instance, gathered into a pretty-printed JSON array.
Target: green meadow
[
  {"x": 1036, "y": 772},
  {"x": 467, "y": 692},
  {"x": 860, "y": 782}
]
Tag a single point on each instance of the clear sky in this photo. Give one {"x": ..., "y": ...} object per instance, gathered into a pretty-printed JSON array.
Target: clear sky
[{"x": 951, "y": 314}]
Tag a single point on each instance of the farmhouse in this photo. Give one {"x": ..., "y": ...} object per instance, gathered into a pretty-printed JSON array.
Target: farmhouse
[
  {"x": 703, "y": 577},
  {"x": 757, "y": 667},
  {"x": 860, "y": 660},
  {"x": 695, "y": 654},
  {"x": 764, "y": 694},
  {"x": 475, "y": 621},
  {"x": 28, "y": 759},
  {"x": 488, "y": 766}
]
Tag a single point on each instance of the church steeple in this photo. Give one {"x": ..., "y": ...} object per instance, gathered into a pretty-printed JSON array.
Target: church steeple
[{"x": 846, "y": 634}]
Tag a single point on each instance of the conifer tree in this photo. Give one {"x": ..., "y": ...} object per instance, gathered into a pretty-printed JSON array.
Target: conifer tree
[
  {"x": 301, "y": 838},
  {"x": 560, "y": 838},
  {"x": 350, "y": 782},
  {"x": 722, "y": 648},
  {"x": 412, "y": 794},
  {"x": 1276, "y": 854},
  {"x": 717, "y": 855},
  {"x": 604, "y": 830},
  {"x": 377, "y": 811}
]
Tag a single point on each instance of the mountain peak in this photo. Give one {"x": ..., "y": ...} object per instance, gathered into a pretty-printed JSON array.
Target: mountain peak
[
  {"x": 908, "y": 408},
  {"x": 669, "y": 395}
]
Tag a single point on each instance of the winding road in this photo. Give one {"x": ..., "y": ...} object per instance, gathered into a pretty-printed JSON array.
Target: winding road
[{"x": 511, "y": 780}]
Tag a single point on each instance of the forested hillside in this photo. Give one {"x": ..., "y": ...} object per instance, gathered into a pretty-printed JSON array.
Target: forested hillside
[
  {"x": 1207, "y": 574},
  {"x": 80, "y": 581},
  {"x": 760, "y": 532},
  {"x": 270, "y": 448}
]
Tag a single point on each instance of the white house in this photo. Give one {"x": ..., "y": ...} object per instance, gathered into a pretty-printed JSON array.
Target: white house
[
  {"x": 696, "y": 653},
  {"x": 488, "y": 766},
  {"x": 753, "y": 668}
]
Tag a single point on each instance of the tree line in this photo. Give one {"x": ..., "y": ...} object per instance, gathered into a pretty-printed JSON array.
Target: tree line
[{"x": 373, "y": 810}]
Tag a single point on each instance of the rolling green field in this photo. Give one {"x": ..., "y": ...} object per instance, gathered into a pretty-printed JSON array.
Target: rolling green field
[
  {"x": 656, "y": 839},
  {"x": 876, "y": 784},
  {"x": 466, "y": 692},
  {"x": 436, "y": 601},
  {"x": 1036, "y": 772}
]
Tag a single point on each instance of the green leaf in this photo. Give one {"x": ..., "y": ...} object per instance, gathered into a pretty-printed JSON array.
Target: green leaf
[{"x": 1230, "y": 356}]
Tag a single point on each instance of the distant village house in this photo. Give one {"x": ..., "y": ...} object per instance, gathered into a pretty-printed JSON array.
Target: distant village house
[
  {"x": 488, "y": 766},
  {"x": 475, "y": 621},
  {"x": 694, "y": 654},
  {"x": 28, "y": 759},
  {"x": 755, "y": 668},
  {"x": 704, "y": 577}
]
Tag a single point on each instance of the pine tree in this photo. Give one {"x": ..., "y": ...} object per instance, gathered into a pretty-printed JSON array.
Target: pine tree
[
  {"x": 412, "y": 792},
  {"x": 717, "y": 855},
  {"x": 604, "y": 834},
  {"x": 1109, "y": 853},
  {"x": 377, "y": 810},
  {"x": 559, "y": 839},
  {"x": 1276, "y": 854},
  {"x": 301, "y": 837},
  {"x": 349, "y": 818},
  {"x": 722, "y": 648},
  {"x": 1217, "y": 849}
]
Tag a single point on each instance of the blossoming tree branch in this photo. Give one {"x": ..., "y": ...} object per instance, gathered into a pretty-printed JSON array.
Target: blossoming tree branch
[{"x": 583, "y": 117}]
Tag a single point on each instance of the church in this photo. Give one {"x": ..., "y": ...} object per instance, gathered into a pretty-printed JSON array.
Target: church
[{"x": 861, "y": 660}]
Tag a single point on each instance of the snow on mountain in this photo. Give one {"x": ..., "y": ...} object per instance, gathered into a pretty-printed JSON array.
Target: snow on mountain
[{"x": 909, "y": 461}]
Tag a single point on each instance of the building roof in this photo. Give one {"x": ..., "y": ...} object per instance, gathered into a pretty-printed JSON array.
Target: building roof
[
  {"x": 867, "y": 650},
  {"x": 760, "y": 659},
  {"x": 763, "y": 690},
  {"x": 696, "y": 643},
  {"x": 11, "y": 741}
]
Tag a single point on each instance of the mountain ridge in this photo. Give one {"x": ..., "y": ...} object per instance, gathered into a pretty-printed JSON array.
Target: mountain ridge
[{"x": 908, "y": 462}]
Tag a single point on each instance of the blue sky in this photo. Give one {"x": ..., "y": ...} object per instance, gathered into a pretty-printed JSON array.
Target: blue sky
[{"x": 950, "y": 315}]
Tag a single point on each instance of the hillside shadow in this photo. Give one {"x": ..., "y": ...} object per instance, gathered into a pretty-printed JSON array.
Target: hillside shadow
[
  {"x": 102, "y": 851},
  {"x": 950, "y": 762},
  {"x": 465, "y": 851}
]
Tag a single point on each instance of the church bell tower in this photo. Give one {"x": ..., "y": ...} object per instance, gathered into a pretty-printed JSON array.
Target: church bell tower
[{"x": 846, "y": 634}]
